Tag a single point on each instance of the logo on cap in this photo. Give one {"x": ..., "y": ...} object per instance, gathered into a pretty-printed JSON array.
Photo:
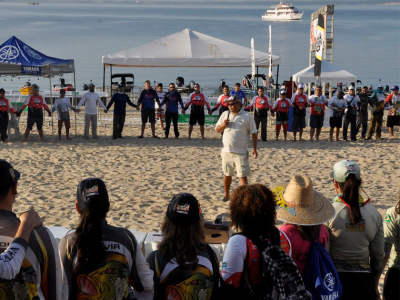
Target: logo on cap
[
  {"x": 93, "y": 191},
  {"x": 183, "y": 209}
]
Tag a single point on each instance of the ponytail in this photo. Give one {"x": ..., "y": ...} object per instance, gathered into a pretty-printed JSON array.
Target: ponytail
[
  {"x": 350, "y": 193},
  {"x": 89, "y": 235}
]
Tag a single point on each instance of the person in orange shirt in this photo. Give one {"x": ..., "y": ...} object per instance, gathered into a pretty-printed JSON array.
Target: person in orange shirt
[{"x": 5, "y": 108}]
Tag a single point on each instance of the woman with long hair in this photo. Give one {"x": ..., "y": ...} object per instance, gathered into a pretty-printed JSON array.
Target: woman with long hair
[
  {"x": 98, "y": 259},
  {"x": 356, "y": 243},
  {"x": 391, "y": 224},
  {"x": 182, "y": 264},
  {"x": 304, "y": 210}
]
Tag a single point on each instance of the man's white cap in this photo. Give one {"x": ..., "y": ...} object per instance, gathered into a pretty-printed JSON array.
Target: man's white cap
[
  {"x": 380, "y": 86},
  {"x": 283, "y": 92},
  {"x": 301, "y": 86},
  {"x": 351, "y": 87},
  {"x": 344, "y": 168}
]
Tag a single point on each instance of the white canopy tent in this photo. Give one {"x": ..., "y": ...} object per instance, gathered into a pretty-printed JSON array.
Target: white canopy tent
[
  {"x": 187, "y": 48},
  {"x": 329, "y": 73}
]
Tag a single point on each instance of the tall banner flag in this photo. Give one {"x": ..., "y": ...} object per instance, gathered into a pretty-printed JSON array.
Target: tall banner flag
[
  {"x": 270, "y": 53},
  {"x": 253, "y": 60},
  {"x": 319, "y": 46}
]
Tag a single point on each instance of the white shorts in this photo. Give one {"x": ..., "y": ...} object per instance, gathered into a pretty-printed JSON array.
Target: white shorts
[{"x": 230, "y": 161}]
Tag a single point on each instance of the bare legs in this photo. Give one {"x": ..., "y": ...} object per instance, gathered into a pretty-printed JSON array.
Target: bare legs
[
  {"x": 191, "y": 130},
  {"x": 228, "y": 182}
]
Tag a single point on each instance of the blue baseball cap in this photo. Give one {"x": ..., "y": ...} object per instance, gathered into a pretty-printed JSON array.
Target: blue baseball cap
[{"x": 395, "y": 88}]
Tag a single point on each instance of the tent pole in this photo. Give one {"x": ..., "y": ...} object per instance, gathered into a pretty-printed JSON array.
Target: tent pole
[
  {"x": 104, "y": 77},
  {"x": 52, "y": 104},
  {"x": 110, "y": 80},
  {"x": 257, "y": 76},
  {"x": 76, "y": 133},
  {"x": 276, "y": 83}
]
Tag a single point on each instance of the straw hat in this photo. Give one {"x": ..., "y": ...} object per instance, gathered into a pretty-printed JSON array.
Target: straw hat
[{"x": 298, "y": 203}]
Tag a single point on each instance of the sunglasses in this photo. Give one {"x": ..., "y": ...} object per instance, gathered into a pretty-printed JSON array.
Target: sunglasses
[{"x": 231, "y": 103}]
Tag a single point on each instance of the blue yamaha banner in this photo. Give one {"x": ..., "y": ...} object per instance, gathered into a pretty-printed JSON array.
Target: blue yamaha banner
[{"x": 31, "y": 70}]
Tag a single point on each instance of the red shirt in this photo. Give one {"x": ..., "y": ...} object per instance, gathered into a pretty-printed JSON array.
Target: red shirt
[
  {"x": 5, "y": 106},
  {"x": 199, "y": 99},
  {"x": 221, "y": 101}
]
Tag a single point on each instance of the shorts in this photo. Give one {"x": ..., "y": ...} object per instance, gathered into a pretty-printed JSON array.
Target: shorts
[
  {"x": 335, "y": 122},
  {"x": 278, "y": 126},
  {"x": 299, "y": 121},
  {"x": 393, "y": 121},
  {"x": 316, "y": 121},
  {"x": 230, "y": 161},
  {"x": 67, "y": 123},
  {"x": 282, "y": 117},
  {"x": 160, "y": 114},
  {"x": 148, "y": 115},
  {"x": 31, "y": 121},
  {"x": 197, "y": 118}
]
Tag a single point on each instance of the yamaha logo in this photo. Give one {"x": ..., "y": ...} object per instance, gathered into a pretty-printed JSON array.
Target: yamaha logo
[
  {"x": 329, "y": 282},
  {"x": 32, "y": 53},
  {"x": 8, "y": 53}
]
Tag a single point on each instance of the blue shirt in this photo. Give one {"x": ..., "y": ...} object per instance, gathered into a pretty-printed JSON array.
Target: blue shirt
[
  {"x": 120, "y": 99},
  {"x": 241, "y": 94},
  {"x": 147, "y": 98},
  {"x": 171, "y": 100}
]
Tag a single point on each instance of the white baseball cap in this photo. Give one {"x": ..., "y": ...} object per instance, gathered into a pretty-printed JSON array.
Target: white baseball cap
[
  {"x": 301, "y": 86},
  {"x": 283, "y": 92},
  {"x": 351, "y": 87},
  {"x": 380, "y": 86},
  {"x": 343, "y": 168}
]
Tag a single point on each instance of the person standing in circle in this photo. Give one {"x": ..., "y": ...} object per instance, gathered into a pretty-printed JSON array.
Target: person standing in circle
[
  {"x": 172, "y": 100},
  {"x": 261, "y": 104},
  {"x": 281, "y": 107},
  {"x": 393, "y": 103},
  {"x": 121, "y": 99},
  {"x": 5, "y": 108},
  {"x": 159, "y": 111},
  {"x": 299, "y": 103},
  {"x": 221, "y": 103},
  {"x": 352, "y": 109},
  {"x": 197, "y": 100},
  {"x": 237, "y": 126},
  {"x": 35, "y": 103},
  {"x": 90, "y": 99},
  {"x": 337, "y": 105},
  {"x": 62, "y": 105},
  {"x": 146, "y": 104},
  {"x": 356, "y": 241},
  {"x": 317, "y": 114},
  {"x": 238, "y": 92}
]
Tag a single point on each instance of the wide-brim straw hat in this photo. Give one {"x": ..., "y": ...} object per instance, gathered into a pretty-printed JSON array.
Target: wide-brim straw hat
[{"x": 298, "y": 203}]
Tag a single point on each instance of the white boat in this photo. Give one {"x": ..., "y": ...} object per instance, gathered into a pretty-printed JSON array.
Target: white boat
[{"x": 282, "y": 12}]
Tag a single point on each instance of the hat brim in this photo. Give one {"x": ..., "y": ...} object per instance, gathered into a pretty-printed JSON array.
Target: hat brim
[{"x": 321, "y": 212}]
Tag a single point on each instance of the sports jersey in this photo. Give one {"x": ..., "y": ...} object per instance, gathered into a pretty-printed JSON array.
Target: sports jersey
[
  {"x": 353, "y": 103},
  {"x": 376, "y": 101},
  {"x": 299, "y": 246},
  {"x": 318, "y": 104},
  {"x": 197, "y": 102},
  {"x": 12, "y": 258},
  {"x": 222, "y": 103},
  {"x": 240, "y": 251},
  {"x": 91, "y": 99},
  {"x": 299, "y": 101},
  {"x": 147, "y": 99},
  {"x": 174, "y": 282},
  {"x": 40, "y": 274},
  {"x": 391, "y": 226},
  {"x": 62, "y": 106},
  {"x": 261, "y": 106},
  {"x": 392, "y": 100},
  {"x": 161, "y": 96},
  {"x": 35, "y": 106},
  {"x": 123, "y": 266},
  {"x": 120, "y": 100},
  {"x": 281, "y": 105},
  {"x": 241, "y": 95},
  {"x": 337, "y": 106},
  {"x": 359, "y": 247},
  {"x": 6, "y": 107},
  {"x": 172, "y": 100}
]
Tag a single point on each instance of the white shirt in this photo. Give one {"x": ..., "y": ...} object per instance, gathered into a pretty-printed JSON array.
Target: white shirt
[
  {"x": 237, "y": 133},
  {"x": 91, "y": 100},
  {"x": 336, "y": 102},
  {"x": 352, "y": 101}
]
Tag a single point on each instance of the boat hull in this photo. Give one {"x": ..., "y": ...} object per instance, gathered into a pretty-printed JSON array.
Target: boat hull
[{"x": 295, "y": 17}]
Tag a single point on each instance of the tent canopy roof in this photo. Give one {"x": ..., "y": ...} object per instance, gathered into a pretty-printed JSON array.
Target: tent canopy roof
[
  {"x": 188, "y": 48},
  {"x": 17, "y": 58},
  {"x": 329, "y": 73}
]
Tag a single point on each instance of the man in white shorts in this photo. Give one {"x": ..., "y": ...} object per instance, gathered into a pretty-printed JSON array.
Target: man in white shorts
[{"x": 237, "y": 126}]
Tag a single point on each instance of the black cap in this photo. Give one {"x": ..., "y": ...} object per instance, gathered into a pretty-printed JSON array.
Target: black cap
[
  {"x": 35, "y": 87},
  {"x": 92, "y": 191},
  {"x": 121, "y": 85},
  {"x": 2, "y": 90},
  {"x": 9, "y": 176},
  {"x": 184, "y": 209},
  {"x": 62, "y": 91}
]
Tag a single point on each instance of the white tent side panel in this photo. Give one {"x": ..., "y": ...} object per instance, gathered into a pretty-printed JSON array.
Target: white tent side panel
[
  {"x": 329, "y": 73},
  {"x": 188, "y": 49}
]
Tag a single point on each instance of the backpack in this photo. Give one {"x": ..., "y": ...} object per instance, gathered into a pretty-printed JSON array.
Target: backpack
[
  {"x": 281, "y": 275},
  {"x": 320, "y": 276},
  {"x": 221, "y": 290}
]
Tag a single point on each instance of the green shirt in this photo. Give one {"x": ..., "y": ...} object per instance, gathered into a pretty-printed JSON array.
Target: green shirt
[{"x": 391, "y": 226}]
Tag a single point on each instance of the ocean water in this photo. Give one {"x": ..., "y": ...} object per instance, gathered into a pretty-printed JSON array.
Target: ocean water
[{"x": 366, "y": 41}]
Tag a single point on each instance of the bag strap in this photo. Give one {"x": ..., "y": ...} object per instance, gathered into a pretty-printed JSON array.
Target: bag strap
[{"x": 214, "y": 262}]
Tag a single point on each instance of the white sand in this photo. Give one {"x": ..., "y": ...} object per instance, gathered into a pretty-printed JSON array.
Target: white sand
[{"x": 142, "y": 174}]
